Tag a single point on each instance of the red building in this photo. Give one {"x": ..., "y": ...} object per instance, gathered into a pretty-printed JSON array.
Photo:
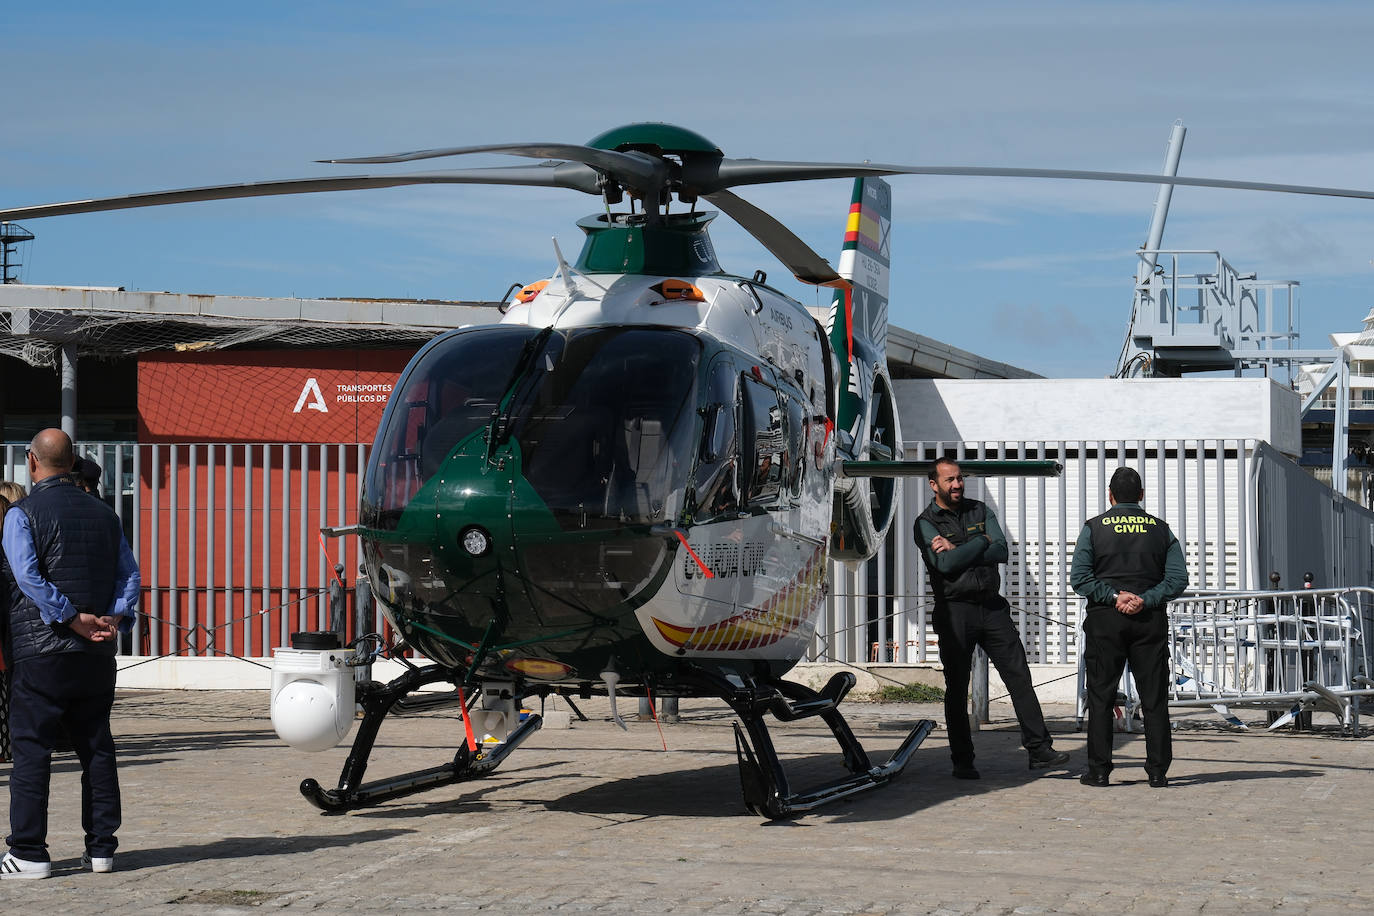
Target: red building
[{"x": 229, "y": 430}]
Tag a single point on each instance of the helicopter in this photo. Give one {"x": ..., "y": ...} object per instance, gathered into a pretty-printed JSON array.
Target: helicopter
[{"x": 635, "y": 482}]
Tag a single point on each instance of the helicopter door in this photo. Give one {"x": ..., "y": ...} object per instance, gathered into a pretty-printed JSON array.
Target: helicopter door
[
  {"x": 716, "y": 493},
  {"x": 714, "y": 534},
  {"x": 782, "y": 565}
]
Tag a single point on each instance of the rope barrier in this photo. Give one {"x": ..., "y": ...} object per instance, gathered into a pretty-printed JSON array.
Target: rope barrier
[
  {"x": 825, "y": 639},
  {"x": 209, "y": 644}
]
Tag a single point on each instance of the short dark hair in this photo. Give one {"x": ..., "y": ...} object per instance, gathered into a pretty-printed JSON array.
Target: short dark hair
[
  {"x": 934, "y": 473},
  {"x": 87, "y": 469},
  {"x": 1126, "y": 486}
]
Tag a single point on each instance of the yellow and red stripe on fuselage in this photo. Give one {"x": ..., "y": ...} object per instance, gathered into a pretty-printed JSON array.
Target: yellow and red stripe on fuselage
[{"x": 762, "y": 599}]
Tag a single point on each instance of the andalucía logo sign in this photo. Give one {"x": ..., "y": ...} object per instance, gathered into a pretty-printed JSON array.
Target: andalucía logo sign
[{"x": 311, "y": 397}]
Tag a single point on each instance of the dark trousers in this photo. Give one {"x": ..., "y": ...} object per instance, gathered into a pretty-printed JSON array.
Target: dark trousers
[
  {"x": 1111, "y": 640},
  {"x": 962, "y": 626},
  {"x": 4, "y": 715},
  {"x": 72, "y": 692}
]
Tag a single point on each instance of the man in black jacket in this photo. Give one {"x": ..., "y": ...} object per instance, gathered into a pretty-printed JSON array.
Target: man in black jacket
[
  {"x": 1129, "y": 566},
  {"x": 962, "y": 544},
  {"x": 71, "y": 581}
]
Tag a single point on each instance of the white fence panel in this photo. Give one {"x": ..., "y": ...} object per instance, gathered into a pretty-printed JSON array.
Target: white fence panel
[{"x": 1205, "y": 489}]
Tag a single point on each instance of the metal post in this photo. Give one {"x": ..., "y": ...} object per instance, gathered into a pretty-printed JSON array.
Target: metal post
[
  {"x": 1271, "y": 657},
  {"x": 1340, "y": 433},
  {"x": 1145, "y": 268},
  {"x": 1160, "y": 213},
  {"x": 362, "y": 613},
  {"x": 338, "y": 605},
  {"x": 67, "y": 371}
]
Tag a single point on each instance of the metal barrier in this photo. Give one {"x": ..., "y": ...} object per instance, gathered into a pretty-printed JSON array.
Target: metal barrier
[
  {"x": 228, "y": 539},
  {"x": 1290, "y": 653}
]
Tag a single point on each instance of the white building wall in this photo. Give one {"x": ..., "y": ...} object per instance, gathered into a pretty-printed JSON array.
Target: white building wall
[
  {"x": 1198, "y": 486},
  {"x": 1239, "y": 507},
  {"x": 1049, "y": 410},
  {"x": 1193, "y": 440}
]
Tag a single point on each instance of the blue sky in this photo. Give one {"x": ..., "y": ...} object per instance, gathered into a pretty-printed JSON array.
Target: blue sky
[{"x": 111, "y": 99}]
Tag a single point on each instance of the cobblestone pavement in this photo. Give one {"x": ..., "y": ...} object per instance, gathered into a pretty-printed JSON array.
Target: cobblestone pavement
[{"x": 595, "y": 819}]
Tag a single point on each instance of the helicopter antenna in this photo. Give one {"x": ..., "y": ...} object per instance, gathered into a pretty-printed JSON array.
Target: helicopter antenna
[
  {"x": 564, "y": 270},
  {"x": 567, "y": 272}
]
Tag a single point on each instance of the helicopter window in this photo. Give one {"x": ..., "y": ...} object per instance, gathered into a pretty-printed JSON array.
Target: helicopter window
[
  {"x": 764, "y": 443},
  {"x": 794, "y": 441},
  {"x": 447, "y": 394},
  {"x": 599, "y": 425},
  {"x": 465, "y": 388},
  {"x": 717, "y": 489}
]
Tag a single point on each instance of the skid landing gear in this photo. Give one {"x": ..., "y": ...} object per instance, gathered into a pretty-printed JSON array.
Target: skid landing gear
[
  {"x": 377, "y": 701},
  {"x": 766, "y": 790}
]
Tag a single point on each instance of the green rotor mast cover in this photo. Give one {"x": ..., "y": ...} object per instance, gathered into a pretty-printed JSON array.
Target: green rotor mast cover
[{"x": 652, "y": 136}]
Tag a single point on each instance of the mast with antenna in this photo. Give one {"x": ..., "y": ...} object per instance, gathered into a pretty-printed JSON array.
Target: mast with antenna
[{"x": 11, "y": 235}]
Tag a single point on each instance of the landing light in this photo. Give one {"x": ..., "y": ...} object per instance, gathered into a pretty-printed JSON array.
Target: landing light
[
  {"x": 542, "y": 668},
  {"x": 475, "y": 540}
]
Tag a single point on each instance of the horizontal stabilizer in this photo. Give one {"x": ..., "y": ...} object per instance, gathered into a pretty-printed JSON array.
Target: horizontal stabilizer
[{"x": 982, "y": 468}]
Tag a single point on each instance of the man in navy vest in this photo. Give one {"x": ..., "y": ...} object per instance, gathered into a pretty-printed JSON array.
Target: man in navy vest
[
  {"x": 962, "y": 544},
  {"x": 1129, "y": 566},
  {"x": 71, "y": 582}
]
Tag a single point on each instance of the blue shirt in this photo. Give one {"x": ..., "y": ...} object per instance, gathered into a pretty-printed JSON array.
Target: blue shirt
[{"x": 53, "y": 606}]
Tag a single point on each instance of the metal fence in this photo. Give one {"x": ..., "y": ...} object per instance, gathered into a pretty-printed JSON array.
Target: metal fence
[
  {"x": 1252, "y": 644},
  {"x": 1286, "y": 652},
  {"x": 228, "y": 538},
  {"x": 1240, "y": 509}
]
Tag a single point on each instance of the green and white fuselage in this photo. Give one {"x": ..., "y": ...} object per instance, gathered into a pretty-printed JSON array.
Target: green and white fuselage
[{"x": 630, "y": 471}]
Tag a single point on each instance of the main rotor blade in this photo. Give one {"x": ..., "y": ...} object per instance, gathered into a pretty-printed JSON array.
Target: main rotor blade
[
  {"x": 730, "y": 173},
  {"x": 635, "y": 169},
  {"x": 806, "y": 265},
  {"x": 565, "y": 175}
]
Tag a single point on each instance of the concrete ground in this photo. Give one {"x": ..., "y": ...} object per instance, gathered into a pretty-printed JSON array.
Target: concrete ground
[{"x": 595, "y": 819}]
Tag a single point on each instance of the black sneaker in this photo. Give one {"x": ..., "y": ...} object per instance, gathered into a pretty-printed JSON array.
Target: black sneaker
[
  {"x": 1099, "y": 780},
  {"x": 1043, "y": 758},
  {"x": 965, "y": 771}
]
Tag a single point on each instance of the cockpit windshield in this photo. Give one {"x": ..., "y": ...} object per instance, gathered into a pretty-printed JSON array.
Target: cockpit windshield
[
  {"x": 602, "y": 417},
  {"x": 604, "y": 420},
  {"x": 446, "y": 396}
]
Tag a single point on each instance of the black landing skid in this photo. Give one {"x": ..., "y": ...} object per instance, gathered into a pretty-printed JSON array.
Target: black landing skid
[
  {"x": 765, "y": 785},
  {"x": 377, "y": 701}
]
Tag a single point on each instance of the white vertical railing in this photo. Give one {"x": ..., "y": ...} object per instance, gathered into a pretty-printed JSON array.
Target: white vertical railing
[
  {"x": 224, "y": 534},
  {"x": 1198, "y": 486}
]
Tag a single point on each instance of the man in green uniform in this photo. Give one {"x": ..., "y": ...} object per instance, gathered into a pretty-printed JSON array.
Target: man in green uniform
[
  {"x": 1129, "y": 566},
  {"x": 962, "y": 544}
]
